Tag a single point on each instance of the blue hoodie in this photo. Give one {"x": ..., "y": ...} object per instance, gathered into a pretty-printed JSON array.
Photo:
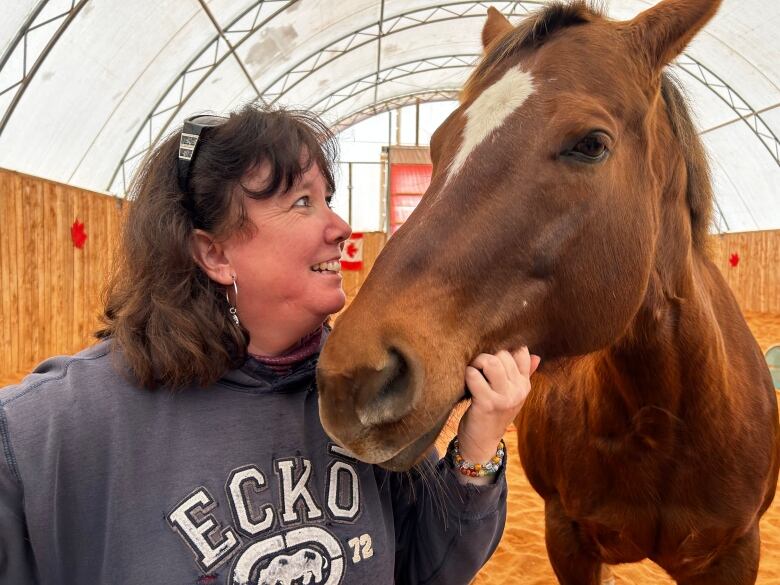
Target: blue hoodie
[{"x": 237, "y": 483}]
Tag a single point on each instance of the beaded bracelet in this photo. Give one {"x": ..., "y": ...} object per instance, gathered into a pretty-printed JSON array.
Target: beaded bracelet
[{"x": 477, "y": 469}]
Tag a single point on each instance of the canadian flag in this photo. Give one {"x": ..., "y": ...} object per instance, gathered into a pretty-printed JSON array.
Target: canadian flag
[{"x": 352, "y": 254}]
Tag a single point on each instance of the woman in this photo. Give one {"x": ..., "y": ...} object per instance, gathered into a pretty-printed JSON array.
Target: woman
[{"x": 186, "y": 447}]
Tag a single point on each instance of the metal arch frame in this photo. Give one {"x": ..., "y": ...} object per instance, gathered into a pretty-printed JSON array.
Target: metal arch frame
[
  {"x": 731, "y": 98},
  {"x": 21, "y": 38},
  {"x": 417, "y": 17},
  {"x": 22, "y": 32},
  {"x": 231, "y": 48},
  {"x": 393, "y": 103},
  {"x": 375, "y": 32},
  {"x": 216, "y": 45},
  {"x": 379, "y": 46},
  {"x": 354, "y": 88},
  {"x": 317, "y": 60},
  {"x": 383, "y": 28}
]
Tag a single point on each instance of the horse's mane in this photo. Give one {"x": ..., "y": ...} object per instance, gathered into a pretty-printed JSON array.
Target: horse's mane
[
  {"x": 536, "y": 28},
  {"x": 698, "y": 185}
]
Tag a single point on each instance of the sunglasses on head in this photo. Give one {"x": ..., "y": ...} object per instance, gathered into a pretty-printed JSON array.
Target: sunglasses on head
[{"x": 188, "y": 144}]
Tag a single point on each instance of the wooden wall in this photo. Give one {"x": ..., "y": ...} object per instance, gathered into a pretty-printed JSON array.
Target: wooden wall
[
  {"x": 755, "y": 280},
  {"x": 50, "y": 291}
]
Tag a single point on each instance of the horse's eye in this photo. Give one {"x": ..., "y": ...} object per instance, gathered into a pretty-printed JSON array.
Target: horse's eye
[{"x": 592, "y": 148}]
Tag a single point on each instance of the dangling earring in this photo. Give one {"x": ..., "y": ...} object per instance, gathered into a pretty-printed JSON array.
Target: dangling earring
[{"x": 231, "y": 308}]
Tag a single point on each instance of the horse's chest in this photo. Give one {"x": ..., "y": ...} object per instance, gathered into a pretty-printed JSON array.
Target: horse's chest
[
  {"x": 597, "y": 448},
  {"x": 617, "y": 534},
  {"x": 608, "y": 484}
]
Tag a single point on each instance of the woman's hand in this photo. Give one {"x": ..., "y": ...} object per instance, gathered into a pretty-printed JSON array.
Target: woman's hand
[{"x": 497, "y": 394}]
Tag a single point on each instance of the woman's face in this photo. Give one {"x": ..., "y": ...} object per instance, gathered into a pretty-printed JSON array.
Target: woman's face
[{"x": 287, "y": 270}]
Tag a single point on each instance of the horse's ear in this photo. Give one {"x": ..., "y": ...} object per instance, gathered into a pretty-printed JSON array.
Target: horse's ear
[
  {"x": 496, "y": 27},
  {"x": 662, "y": 32}
]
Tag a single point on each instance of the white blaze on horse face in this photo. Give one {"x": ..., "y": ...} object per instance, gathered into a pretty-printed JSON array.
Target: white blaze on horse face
[{"x": 490, "y": 110}]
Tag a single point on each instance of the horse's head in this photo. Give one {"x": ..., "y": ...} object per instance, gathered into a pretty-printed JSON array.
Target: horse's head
[{"x": 563, "y": 185}]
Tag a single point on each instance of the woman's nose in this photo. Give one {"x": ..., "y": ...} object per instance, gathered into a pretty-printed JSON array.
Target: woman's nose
[{"x": 339, "y": 230}]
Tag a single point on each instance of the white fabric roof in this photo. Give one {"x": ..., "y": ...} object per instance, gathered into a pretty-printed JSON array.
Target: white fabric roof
[{"x": 86, "y": 86}]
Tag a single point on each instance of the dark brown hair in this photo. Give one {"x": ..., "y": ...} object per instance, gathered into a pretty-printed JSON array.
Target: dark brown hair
[{"x": 166, "y": 316}]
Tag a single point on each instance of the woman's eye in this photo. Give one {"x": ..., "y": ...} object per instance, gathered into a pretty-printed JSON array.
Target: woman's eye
[
  {"x": 329, "y": 201},
  {"x": 302, "y": 202}
]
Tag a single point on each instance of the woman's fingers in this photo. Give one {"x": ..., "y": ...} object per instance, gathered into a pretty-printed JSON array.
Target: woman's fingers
[
  {"x": 505, "y": 371},
  {"x": 523, "y": 361},
  {"x": 476, "y": 381},
  {"x": 535, "y": 360},
  {"x": 510, "y": 366},
  {"x": 478, "y": 385},
  {"x": 493, "y": 370}
]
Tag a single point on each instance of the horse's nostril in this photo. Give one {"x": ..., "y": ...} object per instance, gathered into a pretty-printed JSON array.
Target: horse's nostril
[
  {"x": 397, "y": 372},
  {"x": 390, "y": 396}
]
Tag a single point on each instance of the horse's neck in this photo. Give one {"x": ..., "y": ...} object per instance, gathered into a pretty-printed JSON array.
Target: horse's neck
[{"x": 673, "y": 352}]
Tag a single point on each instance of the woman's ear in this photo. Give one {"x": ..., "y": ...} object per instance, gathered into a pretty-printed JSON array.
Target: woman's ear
[{"x": 209, "y": 254}]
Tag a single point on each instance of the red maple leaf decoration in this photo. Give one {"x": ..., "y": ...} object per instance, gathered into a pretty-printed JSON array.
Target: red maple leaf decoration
[
  {"x": 734, "y": 260},
  {"x": 77, "y": 234},
  {"x": 352, "y": 249}
]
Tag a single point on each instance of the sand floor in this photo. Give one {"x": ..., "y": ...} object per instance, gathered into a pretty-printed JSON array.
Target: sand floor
[{"x": 521, "y": 556}]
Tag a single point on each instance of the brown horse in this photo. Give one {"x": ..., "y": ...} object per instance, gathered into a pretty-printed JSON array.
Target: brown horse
[{"x": 569, "y": 211}]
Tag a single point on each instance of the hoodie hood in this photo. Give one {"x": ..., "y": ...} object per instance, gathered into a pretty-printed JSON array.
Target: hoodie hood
[{"x": 255, "y": 377}]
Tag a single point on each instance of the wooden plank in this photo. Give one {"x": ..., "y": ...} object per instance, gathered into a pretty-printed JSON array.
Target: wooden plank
[
  {"x": 79, "y": 258},
  {"x": 42, "y": 294},
  {"x": 16, "y": 232},
  {"x": 26, "y": 266},
  {"x": 65, "y": 255},
  {"x": 6, "y": 334},
  {"x": 49, "y": 238},
  {"x": 32, "y": 291},
  {"x": 60, "y": 233},
  {"x": 88, "y": 287}
]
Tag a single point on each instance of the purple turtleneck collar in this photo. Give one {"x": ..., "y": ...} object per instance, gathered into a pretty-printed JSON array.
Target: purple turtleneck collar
[{"x": 284, "y": 363}]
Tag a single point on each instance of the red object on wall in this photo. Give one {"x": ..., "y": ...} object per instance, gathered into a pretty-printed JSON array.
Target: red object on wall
[
  {"x": 408, "y": 183},
  {"x": 352, "y": 254},
  {"x": 734, "y": 260},
  {"x": 77, "y": 234}
]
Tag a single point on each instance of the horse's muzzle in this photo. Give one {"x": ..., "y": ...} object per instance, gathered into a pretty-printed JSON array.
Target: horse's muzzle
[{"x": 387, "y": 395}]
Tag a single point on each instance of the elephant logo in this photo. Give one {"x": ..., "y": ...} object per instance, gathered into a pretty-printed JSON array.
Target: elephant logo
[{"x": 306, "y": 556}]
